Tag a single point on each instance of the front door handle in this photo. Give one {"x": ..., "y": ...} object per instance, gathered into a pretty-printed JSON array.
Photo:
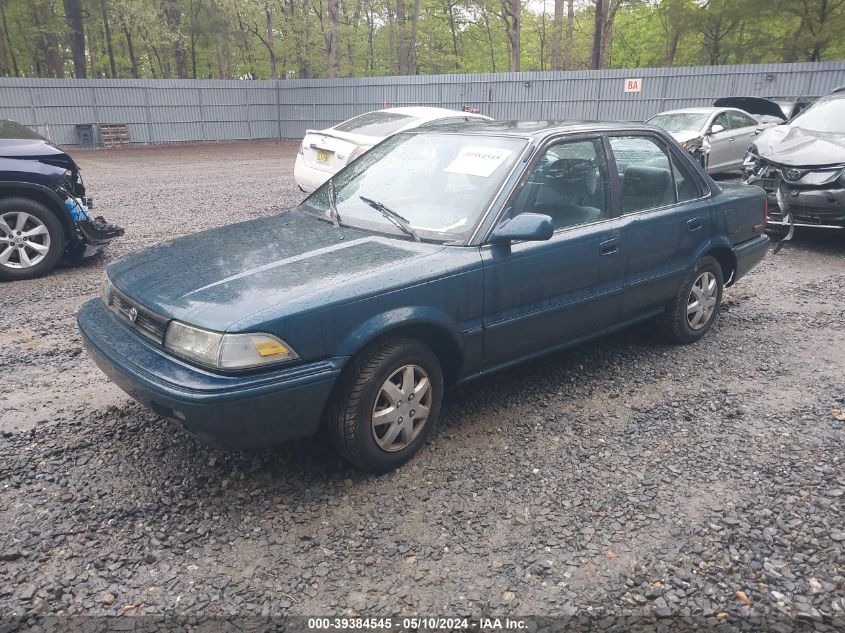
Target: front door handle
[
  {"x": 694, "y": 224},
  {"x": 609, "y": 247}
]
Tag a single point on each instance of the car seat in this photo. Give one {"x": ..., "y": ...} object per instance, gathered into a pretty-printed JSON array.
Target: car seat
[
  {"x": 646, "y": 188},
  {"x": 569, "y": 185}
]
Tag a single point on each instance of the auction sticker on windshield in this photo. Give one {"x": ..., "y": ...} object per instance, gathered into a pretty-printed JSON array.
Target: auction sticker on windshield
[{"x": 478, "y": 161}]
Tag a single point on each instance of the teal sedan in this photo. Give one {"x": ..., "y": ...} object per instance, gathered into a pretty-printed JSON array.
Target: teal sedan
[{"x": 437, "y": 257}]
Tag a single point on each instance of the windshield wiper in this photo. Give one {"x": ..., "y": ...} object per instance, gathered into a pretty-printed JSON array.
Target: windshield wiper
[
  {"x": 335, "y": 216},
  {"x": 394, "y": 217}
]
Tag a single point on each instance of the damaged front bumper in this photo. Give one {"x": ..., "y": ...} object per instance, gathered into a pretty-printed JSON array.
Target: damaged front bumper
[
  {"x": 91, "y": 234},
  {"x": 800, "y": 196}
]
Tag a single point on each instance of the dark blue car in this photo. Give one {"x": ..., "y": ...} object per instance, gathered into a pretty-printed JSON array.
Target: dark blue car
[{"x": 437, "y": 257}]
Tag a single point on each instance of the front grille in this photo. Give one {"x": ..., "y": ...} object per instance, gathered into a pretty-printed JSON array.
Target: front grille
[{"x": 138, "y": 317}]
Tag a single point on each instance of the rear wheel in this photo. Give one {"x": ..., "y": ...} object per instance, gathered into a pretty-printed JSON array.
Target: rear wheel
[
  {"x": 696, "y": 306},
  {"x": 31, "y": 239},
  {"x": 387, "y": 404}
]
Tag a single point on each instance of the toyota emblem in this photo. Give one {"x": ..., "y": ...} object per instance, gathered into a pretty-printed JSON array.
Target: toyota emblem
[
  {"x": 133, "y": 314},
  {"x": 793, "y": 174}
]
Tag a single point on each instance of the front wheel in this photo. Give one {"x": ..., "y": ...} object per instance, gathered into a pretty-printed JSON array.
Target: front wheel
[
  {"x": 386, "y": 404},
  {"x": 696, "y": 306},
  {"x": 31, "y": 239}
]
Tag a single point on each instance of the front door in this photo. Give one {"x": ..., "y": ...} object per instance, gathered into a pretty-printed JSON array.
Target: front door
[
  {"x": 538, "y": 295},
  {"x": 722, "y": 144}
]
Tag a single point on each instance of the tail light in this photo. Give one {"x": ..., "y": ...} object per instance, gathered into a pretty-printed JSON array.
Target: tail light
[
  {"x": 766, "y": 209},
  {"x": 302, "y": 147},
  {"x": 361, "y": 149}
]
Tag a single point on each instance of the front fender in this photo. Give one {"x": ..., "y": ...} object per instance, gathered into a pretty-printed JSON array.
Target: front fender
[
  {"x": 397, "y": 319},
  {"x": 57, "y": 205}
]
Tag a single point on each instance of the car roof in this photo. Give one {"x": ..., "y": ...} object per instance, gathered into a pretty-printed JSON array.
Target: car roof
[
  {"x": 701, "y": 110},
  {"x": 532, "y": 129},
  {"x": 430, "y": 113}
]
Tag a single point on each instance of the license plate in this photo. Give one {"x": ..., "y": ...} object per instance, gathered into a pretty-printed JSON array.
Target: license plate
[{"x": 324, "y": 157}]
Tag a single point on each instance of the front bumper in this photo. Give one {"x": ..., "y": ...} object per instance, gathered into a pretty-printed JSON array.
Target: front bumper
[
  {"x": 239, "y": 412},
  {"x": 818, "y": 207}
]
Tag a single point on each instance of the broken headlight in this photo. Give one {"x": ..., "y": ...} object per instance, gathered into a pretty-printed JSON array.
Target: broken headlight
[
  {"x": 225, "y": 351},
  {"x": 820, "y": 177}
]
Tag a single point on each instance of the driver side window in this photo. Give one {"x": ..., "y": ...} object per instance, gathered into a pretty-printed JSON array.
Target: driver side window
[{"x": 569, "y": 183}]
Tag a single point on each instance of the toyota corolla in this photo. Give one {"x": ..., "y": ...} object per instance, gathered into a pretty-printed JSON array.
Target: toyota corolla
[{"x": 436, "y": 258}]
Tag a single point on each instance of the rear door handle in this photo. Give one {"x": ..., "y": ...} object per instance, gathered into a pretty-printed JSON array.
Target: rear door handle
[
  {"x": 609, "y": 247},
  {"x": 694, "y": 224}
]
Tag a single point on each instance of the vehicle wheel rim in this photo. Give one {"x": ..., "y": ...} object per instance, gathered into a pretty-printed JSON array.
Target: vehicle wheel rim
[
  {"x": 702, "y": 300},
  {"x": 402, "y": 408},
  {"x": 24, "y": 240}
]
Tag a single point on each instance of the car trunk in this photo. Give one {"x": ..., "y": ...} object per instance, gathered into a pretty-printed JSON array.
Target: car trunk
[{"x": 330, "y": 151}]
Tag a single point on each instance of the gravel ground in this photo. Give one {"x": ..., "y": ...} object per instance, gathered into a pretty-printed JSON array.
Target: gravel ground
[{"x": 622, "y": 479}]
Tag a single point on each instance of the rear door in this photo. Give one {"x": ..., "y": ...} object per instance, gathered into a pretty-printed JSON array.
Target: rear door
[
  {"x": 538, "y": 295},
  {"x": 663, "y": 200}
]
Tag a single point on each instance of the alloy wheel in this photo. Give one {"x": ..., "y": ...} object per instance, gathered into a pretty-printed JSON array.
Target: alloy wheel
[
  {"x": 702, "y": 300},
  {"x": 24, "y": 240},
  {"x": 402, "y": 408}
]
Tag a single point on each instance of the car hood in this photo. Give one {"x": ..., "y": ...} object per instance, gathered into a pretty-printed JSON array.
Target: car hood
[
  {"x": 17, "y": 141},
  {"x": 795, "y": 146},
  {"x": 685, "y": 135},
  {"x": 218, "y": 277}
]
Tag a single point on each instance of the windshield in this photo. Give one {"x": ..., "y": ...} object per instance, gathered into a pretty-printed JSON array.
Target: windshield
[
  {"x": 823, "y": 116},
  {"x": 680, "y": 121},
  {"x": 378, "y": 123},
  {"x": 439, "y": 183},
  {"x": 12, "y": 130}
]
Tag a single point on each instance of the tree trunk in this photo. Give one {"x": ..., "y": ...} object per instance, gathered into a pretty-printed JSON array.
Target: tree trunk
[
  {"x": 331, "y": 37},
  {"x": 557, "y": 36},
  {"x": 130, "y": 45},
  {"x": 107, "y": 30},
  {"x": 511, "y": 14},
  {"x": 412, "y": 44},
  {"x": 76, "y": 26},
  {"x": 450, "y": 8},
  {"x": 271, "y": 39},
  {"x": 173, "y": 14},
  {"x": 401, "y": 39},
  {"x": 595, "y": 59},
  {"x": 570, "y": 35}
]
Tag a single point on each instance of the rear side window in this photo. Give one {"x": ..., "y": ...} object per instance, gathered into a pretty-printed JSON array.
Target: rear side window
[
  {"x": 650, "y": 179},
  {"x": 376, "y": 123},
  {"x": 739, "y": 120}
]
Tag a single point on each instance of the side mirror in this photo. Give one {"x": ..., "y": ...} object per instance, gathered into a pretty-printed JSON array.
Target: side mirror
[
  {"x": 716, "y": 128},
  {"x": 527, "y": 227}
]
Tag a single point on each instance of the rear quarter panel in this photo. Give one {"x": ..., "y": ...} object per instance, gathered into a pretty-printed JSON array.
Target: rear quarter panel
[{"x": 739, "y": 214}]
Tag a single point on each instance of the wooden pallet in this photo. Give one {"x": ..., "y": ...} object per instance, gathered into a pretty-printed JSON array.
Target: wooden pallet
[{"x": 114, "y": 134}]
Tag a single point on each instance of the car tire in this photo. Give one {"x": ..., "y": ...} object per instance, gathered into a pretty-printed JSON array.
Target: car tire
[
  {"x": 696, "y": 307},
  {"x": 22, "y": 257},
  {"x": 386, "y": 404}
]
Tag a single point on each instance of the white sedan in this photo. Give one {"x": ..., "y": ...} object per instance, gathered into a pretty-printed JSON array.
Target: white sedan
[{"x": 325, "y": 152}]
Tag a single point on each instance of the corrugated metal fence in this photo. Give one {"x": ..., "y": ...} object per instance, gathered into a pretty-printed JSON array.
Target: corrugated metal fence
[{"x": 161, "y": 111}]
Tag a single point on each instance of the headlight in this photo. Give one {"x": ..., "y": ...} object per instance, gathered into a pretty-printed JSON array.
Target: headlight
[
  {"x": 820, "y": 177},
  {"x": 225, "y": 351},
  {"x": 106, "y": 290}
]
